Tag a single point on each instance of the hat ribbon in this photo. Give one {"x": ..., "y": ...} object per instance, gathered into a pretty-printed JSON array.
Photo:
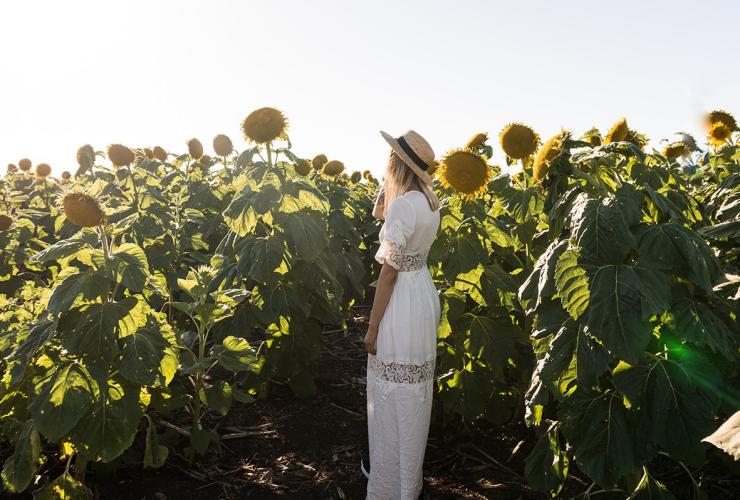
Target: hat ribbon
[{"x": 410, "y": 152}]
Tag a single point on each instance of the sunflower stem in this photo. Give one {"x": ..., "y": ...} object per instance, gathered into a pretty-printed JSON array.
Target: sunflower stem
[{"x": 269, "y": 155}]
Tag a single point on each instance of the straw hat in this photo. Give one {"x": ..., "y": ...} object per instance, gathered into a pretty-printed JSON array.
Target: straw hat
[{"x": 415, "y": 151}]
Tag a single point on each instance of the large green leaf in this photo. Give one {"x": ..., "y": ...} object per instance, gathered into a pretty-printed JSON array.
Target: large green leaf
[
  {"x": 235, "y": 354},
  {"x": 264, "y": 256},
  {"x": 540, "y": 283},
  {"x": 92, "y": 330},
  {"x": 461, "y": 254},
  {"x": 59, "y": 250},
  {"x": 64, "y": 395},
  {"x": 37, "y": 337},
  {"x": 650, "y": 489},
  {"x": 218, "y": 397},
  {"x": 602, "y": 435},
  {"x": 673, "y": 248},
  {"x": 615, "y": 312},
  {"x": 132, "y": 266},
  {"x": 20, "y": 467},
  {"x": 571, "y": 283},
  {"x": 90, "y": 284},
  {"x": 674, "y": 412},
  {"x": 697, "y": 323},
  {"x": 546, "y": 466},
  {"x": 147, "y": 357},
  {"x": 109, "y": 428},
  {"x": 304, "y": 232},
  {"x": 65, "y": 487},
  {"x": 599, "y": 228}
]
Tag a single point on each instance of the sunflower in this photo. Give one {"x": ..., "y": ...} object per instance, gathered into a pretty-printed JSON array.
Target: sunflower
[
  {"x": 195, "y": 148},
  {"x": 477, "y": 140},
  {"x": 333, "y": 168},
  {"x": 356, "y": 176},
  {"x": 721, "y": 117},
  {"x": 618, "y": 132},
  {"x": 82, "y": 209},
  {"x": 24, "y": 164},
  {"x": 222, "y": 145},
  {"x": 149, "y": 153},
  {"x": 264, "y": 125},
  {"x": 5, "y": 222},
  {"x": 547, "y": 153},
  {"x": 120, "y": 155},
  {"x": 637, "y": 138},
  {"x": 66, "y": 176},
  {"x": 85, "y": 156},
  {"x": 43, "y": 170},
  {"x": 518, "y": 141},
  {"x": 688, "y": 140},
  {"x": 675, "y": 150},
  {"x": 592, "y": 136},
  {"x": 12, "y": 168},
  {"x": 465, "y": 172},
  {"x": 719, "y": 134},
  {"x": 319, "y": 161},
  {"x": 159, "y": 153},
  {"x": 302, "y": 167}
]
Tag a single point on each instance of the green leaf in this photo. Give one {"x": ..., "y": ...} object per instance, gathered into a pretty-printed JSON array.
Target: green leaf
[
  {"x": 65, "y": 487},
  {"x": 571, "y": 283},
  {"x": 38, "y": 336},
  {"x": 265, "y": 256},
  {"x": 64, "y": 395},
  {"x": 90, "y": 284},
  {"x": 109, "y": 429},
  {"x": 132, "y": 266},
  {"x": 20, "y": 467},
  {"x": 462, "y": 254},
  {"x": 650, "y": 489},
  {"x": 235, "y": 354},
  {"x": 540, "y": 284},
  {"x": 92, "y": 330},
  {"x": 602, "y": 435},
  {"x": 218, "y": 397},
  {"x": 200, "y": 439},
  {"x": 673, "y": 412},
  {"x": 546, "y": 466},
  {"x": 147, "y": 357},
  {"x": 600, "y": 229},
  {"x": 155, "y": 454},
  {"x": 697, "y": 323},
  {"x": 304, "y": 232},
  {"x": 615, "y": 312},
  {"x": 59, "y": 250},
  {"x": 673, "y": 248}
]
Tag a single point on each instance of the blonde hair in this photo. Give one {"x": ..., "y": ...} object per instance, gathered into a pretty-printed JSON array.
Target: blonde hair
[{"x": 399, "y": 179}]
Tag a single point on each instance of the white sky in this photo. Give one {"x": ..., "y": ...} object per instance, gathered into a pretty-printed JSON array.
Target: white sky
[{"x": 159, "y": 72}]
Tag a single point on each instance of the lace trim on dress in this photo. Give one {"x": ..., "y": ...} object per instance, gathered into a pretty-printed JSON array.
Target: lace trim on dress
[
  {"x": 402, "y": 373},
  {"x": 391, "y": 252}
]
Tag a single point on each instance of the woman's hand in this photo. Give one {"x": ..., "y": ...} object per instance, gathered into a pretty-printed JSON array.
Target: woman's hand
[
  {"x": 370, "y": 337},
  {"x": 379, "y": 204}
]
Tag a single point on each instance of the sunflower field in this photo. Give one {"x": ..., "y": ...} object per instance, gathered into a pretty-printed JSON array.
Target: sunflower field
[{"x": 590, "y": 290}]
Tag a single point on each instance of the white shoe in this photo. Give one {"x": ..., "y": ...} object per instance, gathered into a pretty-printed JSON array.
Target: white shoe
[{"x": 362, "y": 468}]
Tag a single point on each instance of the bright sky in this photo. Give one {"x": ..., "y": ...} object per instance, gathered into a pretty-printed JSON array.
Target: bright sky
[{"x": 151, "y": 72}]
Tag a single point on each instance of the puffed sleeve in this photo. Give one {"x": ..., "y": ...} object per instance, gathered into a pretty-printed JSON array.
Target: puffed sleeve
[{"x": 398, "y": 227}]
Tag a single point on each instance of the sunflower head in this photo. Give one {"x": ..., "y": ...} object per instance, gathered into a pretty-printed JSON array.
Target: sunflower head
[
  {"x": 195, "y": 148},
  {"x": 675, "y": 150},
  {"x": 302, "y": 167},
  {"x": 159, "y": 153},
  {"x": 12, "y": 168},
  {"x": 85, "y": 156},
  {"x": 465, "y": 172},
  {"x": 638, "y": 139},
  {"x": 356, "y": 176},
  {"x": 66, "y": 176},
  {"x": 24, "y": 164},
  {"x": 149, "y": 153},
  {"x": 120, "y": 155},
  {"x": 719, "y": 133},
  {"x": 721, "y": 117},
  {"x": 319, "y": 161},
  {"x": 592, "y": 136},
  {"x": 477, "y": 140},
  {"x": 333, "y": 168},
  {"x": 264, "y": 125},
  {"x": 546, "y": 154},
  {"x": 5, "y": 222},
  {"x": 618, "y": 132},
  {"x": 43, "y": 170},
  {"x": 222, "y": 145},
  {"x": 518, "y": 141},
  {"x": 82, "y": 210}
]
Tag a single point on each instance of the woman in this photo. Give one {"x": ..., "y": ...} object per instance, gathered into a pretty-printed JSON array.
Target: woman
[{"x": 402, "y": 336}]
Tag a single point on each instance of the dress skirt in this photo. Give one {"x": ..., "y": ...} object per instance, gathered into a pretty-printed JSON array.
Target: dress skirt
[{"x": 400, "y": 379}]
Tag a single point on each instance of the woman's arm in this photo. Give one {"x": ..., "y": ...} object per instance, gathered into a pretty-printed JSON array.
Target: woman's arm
[
  {"x": 386, "y": 283},
  {"x": 379, "y": 204}
]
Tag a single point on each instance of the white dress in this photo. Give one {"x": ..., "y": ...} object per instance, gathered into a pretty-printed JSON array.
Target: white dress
[{"x": 400, "y": 375}]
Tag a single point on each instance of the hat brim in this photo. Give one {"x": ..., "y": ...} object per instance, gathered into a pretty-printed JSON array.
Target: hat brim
[{"x": 424, "y": 176}]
